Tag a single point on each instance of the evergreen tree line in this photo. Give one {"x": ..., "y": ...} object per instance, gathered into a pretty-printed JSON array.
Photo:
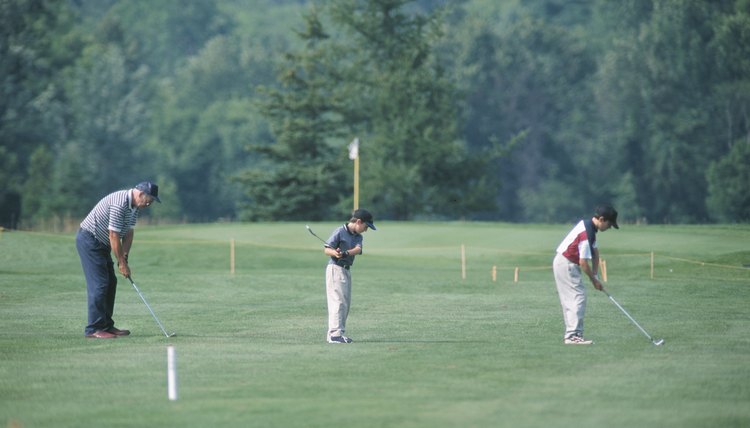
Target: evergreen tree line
[{"x": 530, "y": 111}]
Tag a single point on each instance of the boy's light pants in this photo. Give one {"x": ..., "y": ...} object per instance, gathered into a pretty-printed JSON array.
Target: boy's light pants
[
  {"x": 339, "y": 295},
  {"x": 572, "y": 294}
]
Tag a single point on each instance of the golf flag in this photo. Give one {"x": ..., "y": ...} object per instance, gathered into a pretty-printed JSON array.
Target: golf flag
[{"x": 354, "y": 149}]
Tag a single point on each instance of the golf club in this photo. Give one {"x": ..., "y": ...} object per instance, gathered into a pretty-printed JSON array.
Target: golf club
[
  {"x": 657, "y": 342},
  {"x": 313, "y": 234},
  {"x": 149, "y": 308}
]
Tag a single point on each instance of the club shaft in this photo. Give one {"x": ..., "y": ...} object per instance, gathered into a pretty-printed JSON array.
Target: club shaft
[
  {"x": 629, "y": 317},
  {"x": 321, "y": 239},
  {"x": 149, "y": 308}
]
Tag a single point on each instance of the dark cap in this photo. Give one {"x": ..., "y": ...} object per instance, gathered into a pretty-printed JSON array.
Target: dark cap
[
  {"x": 365, "y": 216},
  {"x": 150, "y": 189},
  {"x": 609, "y": 213}
]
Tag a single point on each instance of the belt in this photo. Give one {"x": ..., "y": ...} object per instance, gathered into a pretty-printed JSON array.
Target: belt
[
  {"x": 347, "y": 267},
  {"x": 92, "y": 235}
]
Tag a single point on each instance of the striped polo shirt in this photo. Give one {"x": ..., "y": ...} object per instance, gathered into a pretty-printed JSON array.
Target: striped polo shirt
[
  {"x": 579, "y": 242},
  {"x": 113, "y": 212}
]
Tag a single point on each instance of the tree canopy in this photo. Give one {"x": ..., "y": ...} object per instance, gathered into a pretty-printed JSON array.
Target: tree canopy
[{"x": 530, "y": 111}]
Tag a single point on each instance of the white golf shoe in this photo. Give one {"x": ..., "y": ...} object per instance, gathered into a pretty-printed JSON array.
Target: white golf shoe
[
  {"x": 577, "y": 340},
  {"x": 339, "y": 339}
]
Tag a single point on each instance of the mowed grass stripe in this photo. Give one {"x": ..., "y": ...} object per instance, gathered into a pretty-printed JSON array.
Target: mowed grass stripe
[{"x": 431, "y": 349}]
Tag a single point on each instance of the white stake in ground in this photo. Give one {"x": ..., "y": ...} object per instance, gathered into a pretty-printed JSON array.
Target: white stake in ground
[{"x": 171, "y": 374}]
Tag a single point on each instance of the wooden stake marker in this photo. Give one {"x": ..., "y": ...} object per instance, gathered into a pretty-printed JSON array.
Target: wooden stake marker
[
  {"x": 231, "y": 256},
  {"x": 494, "y": 273},
  {"x": 515, "y": 275},
  {"x": 463, "y": 261},
  {"x": 652, "y": 265}
]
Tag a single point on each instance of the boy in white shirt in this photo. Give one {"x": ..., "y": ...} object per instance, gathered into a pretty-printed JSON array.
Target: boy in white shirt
[{"x": 573, "y": 256}]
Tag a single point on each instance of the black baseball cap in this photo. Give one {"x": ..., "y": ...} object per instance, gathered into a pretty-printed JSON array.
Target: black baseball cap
[
  {"x": 365, "y": 216},
  {"x": 150, "y": 189},
  {"x": 609, "y": 213}
]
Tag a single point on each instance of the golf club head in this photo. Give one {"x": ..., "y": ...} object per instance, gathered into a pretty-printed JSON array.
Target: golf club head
[
  {"x": 171, "y": 334},
  {"x": 658, "y": 342}
]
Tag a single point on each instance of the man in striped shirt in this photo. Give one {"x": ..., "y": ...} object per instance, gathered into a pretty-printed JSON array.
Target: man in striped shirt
[
  {"x": 108, "y": 229},
  {"x": 573, "y": 256}
]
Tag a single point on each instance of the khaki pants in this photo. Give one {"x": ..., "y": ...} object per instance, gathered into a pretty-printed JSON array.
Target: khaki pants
[
  {"x": 572, "y": 294},
  {"x": 339, "y": 295}
]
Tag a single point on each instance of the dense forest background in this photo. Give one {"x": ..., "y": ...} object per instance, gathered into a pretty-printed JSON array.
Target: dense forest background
[{"x": 521, "y": 111}]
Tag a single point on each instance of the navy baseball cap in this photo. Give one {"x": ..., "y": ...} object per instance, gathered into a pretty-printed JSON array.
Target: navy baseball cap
[
  {"x": 365, "y": 216},
  {"x": 150, "y": 189},
  {"x": 609, "y": 213}
]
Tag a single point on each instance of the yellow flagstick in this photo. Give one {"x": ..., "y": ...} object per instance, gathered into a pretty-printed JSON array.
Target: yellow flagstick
[
  {"x": 356, "y": 182},
  {"x": 354, "y": 155}
]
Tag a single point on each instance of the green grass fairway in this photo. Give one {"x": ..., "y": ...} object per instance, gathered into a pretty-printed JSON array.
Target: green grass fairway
[{"x": 431, "y": 349}]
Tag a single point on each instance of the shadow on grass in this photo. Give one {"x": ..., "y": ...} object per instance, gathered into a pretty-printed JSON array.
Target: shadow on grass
[
  {"x": 292, "y": 341},
  {"x": 397, "y": 340}
]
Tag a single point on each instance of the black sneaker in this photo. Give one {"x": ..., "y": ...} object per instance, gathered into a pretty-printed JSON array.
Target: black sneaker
[{"x": 339, "y": 339}]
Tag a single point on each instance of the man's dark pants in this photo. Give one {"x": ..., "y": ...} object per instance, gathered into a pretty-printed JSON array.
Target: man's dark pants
[{"x": 101, "y": 282}]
